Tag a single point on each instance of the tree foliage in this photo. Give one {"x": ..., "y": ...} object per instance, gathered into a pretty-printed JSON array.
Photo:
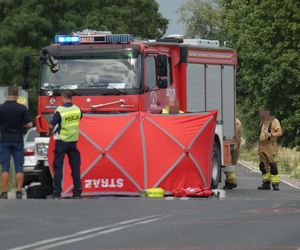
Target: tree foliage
[
  {"x": 266, "y": 35},
  {"x": 27, "y": 26},
  {"x": 201, "y": 19}
]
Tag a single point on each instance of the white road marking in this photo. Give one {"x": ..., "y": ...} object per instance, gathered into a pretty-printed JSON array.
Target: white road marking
[
  {"x": 290, "y": 184},
  {"x": 257, "y": 171},
  {"x": 73, "y": 240},
  {"x": 151, "y": 220},
  {"x": 111, "y": 230},
  {"x": 89, "y": 233}
]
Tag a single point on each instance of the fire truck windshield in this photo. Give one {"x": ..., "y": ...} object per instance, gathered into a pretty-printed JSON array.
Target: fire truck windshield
[{"x": 93, "y": 75}]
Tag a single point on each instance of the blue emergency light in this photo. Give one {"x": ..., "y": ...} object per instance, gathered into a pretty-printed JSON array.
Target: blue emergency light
[
  {"x": 67, "y": 39},
  {"x": 93, "y": 37}
]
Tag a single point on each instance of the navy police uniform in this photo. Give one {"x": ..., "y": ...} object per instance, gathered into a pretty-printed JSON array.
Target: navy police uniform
[{"x": 66, "y": 124}]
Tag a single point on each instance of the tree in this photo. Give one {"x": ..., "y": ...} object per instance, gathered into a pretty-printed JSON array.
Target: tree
[
  {"x": 202, "y": 19},
  {"x": 266, "y": 35},
  {"x": 27, "y": 26}
]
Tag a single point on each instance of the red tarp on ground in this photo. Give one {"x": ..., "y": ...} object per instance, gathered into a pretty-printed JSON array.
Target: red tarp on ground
[{"x": 128, "y": 153}]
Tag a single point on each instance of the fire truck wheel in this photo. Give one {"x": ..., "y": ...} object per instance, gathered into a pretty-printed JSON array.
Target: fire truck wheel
[{"x": 216, "y": 167}]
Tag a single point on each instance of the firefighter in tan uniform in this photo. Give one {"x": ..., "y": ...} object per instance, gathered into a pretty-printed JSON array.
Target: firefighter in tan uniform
[
  {"x": 230, "y": 181},
  {"x": 270, "y": 129}
]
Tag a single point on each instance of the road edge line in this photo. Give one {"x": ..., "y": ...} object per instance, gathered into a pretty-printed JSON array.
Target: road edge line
[{"x": 246, "y": 165}]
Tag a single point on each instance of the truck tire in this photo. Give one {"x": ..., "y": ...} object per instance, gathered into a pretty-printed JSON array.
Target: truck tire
[
  {"x": 216, "y": 167},
  {"x": 47, "y": 181},
  {"x": 39, "y": 184}
]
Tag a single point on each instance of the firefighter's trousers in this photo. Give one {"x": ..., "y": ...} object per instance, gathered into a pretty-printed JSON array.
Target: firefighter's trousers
[
  {"x": 268, "y": 163},
  {"x": 230, "y": 171}
]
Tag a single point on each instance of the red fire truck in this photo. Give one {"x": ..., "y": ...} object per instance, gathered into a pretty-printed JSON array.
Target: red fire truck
[{"x": 113, "y": 73}]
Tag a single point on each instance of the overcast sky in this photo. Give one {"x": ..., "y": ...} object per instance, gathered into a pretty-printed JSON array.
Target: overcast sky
[{"x": 168, "y": 9}]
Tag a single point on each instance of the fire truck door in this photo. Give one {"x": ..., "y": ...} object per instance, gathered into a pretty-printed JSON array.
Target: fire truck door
[
  {"x": 153, "y": 100},
  {"x": 157, "y": 83}
]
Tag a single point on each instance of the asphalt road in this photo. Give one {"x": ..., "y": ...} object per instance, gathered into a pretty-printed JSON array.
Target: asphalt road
[{"x": 245, "y": 219}]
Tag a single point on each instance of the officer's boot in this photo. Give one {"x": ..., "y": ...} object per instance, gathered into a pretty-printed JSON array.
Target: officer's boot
[
  {"x": 275, "y": 186},
  {"x": 266, "y": 185}
]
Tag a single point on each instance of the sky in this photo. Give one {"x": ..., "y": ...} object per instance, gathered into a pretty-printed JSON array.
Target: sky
[{"x": 168, "y": 9}]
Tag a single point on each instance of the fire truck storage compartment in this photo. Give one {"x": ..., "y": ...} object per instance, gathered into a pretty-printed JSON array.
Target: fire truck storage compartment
[
  {"x": 228, "y": 82},
  {"x": 212, "y": 87}
]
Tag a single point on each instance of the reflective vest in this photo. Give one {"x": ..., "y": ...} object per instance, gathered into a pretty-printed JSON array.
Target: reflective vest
[{"x": 69, "y": 126}]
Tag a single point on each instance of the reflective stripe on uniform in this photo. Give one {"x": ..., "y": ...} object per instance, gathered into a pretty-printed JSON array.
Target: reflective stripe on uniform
[
  {"x": 266, "y": 177},
  {"x": 230, "y": 177},
  {"x": 275, "y": 179}
]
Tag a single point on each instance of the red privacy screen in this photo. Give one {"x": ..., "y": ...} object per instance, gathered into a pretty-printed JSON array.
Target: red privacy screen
[{"x": 127, "y": 153}]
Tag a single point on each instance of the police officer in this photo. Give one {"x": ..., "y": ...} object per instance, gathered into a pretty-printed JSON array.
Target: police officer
[
  {"x": 270, "y": 130},
  {"x": 230, "y": 173},
  {"x": 65, "y": 125},
  {"x": 14, "y": 117}
]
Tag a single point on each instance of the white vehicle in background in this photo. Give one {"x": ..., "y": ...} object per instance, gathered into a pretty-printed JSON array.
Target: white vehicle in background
[
  {"x": 36, "y": 176},
  {"x": 30, "y": 160}
]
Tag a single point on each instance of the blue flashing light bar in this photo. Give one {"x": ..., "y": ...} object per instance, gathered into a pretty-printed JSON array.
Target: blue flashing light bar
[
  {"x": 95, "y": 37},
  {"x": 63, "y": 39}
]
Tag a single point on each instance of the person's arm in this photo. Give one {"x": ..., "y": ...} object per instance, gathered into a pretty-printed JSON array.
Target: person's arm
[
  {"x": 27, "y": 120},
  {"x": 50, "y": 128},
  {"x": 276, "y": 129},
  {"x": 277, "y": 133},
  {"x": 239, "y": 133},
  {"x": 56, "y": 120},
  {"x": 28, "y": 125}
]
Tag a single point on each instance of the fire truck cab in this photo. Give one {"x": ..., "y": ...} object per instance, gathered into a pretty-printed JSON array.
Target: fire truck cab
[{"x": 113, "y": 73}]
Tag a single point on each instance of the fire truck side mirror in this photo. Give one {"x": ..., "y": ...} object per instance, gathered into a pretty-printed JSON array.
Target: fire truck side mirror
[
  {"x": 42, "y": 125},
  {"x": 162, "y": 65},
  {"x": 26, "y": 71}
]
